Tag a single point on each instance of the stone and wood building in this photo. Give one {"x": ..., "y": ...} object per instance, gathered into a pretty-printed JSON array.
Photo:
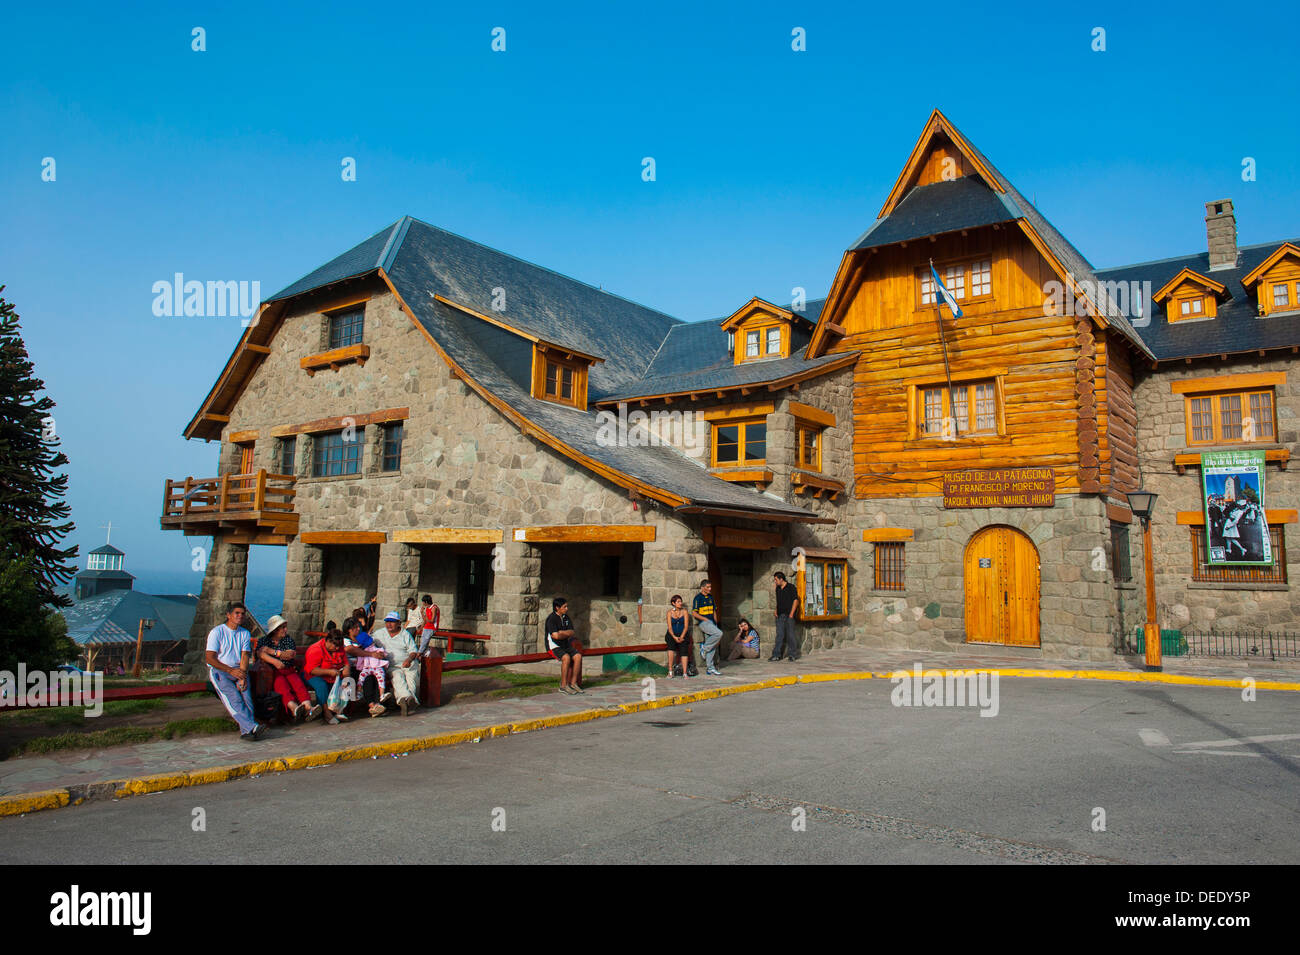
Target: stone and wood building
[{"x": 424, "y": 414}]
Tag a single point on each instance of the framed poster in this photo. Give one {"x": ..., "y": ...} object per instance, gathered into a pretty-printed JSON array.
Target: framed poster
[{"x": 1236, "y": 528}]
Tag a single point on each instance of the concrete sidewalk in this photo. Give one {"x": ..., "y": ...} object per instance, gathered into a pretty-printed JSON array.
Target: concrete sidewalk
[{"x": 68, "y": 777}]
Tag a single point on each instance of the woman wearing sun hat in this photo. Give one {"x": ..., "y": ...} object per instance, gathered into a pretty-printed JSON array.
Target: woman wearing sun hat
[{"x": 279, "y": 652}]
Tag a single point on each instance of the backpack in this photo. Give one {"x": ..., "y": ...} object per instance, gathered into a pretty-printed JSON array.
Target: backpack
[{"x": 266, "y": 709}]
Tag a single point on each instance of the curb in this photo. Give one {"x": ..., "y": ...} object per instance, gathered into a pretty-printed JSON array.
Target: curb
[{"x": 22, "y": 804}]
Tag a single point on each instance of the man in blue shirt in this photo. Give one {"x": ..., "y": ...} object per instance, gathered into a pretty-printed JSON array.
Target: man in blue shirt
[
  {"x": 703, "y": 610},
  {"x": 228, "y": 649}
]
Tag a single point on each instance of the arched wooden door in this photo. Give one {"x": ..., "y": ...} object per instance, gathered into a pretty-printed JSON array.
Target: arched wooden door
[{"x": 1002, "y": 584}]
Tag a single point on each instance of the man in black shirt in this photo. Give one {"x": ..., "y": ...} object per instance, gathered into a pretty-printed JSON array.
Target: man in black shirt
[
  {"x": 787, "y": 604},
  {"x": 561, "y": 645}
]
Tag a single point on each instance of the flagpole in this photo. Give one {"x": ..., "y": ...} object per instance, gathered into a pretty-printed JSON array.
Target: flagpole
[{"x": 943, "y": 343}]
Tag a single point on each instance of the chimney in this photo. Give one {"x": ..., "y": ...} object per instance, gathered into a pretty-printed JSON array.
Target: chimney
[{"x": 1221, "y": 234}]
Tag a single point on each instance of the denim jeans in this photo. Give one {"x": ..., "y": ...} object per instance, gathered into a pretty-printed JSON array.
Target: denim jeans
[
  {"x": 709, "y": 645},
  {"x": 786, "y": 641}
]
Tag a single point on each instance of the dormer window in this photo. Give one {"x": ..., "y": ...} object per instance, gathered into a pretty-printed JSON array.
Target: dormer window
[
  {"x": 1275, "y": 282},
  {"x": 1281, "y": 296},
  {"x": 759, "y": 330},
  {"x": 560, "y": 376},
  {"x": 751, "y": 344},
  {"x": 1189, "y": 296}
]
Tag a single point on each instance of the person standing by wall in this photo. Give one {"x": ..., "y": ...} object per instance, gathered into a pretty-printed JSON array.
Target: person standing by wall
[
  {"x": 704, "y": 611},
  {"x": 787, "y": 608},
  {"x": 228, "y": 649},
  {"x": 677, "y": 639},
  {"x": 429, "y": 618}
]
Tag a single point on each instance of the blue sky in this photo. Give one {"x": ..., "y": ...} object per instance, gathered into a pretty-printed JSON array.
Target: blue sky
[{"x": 225, "y": 164}]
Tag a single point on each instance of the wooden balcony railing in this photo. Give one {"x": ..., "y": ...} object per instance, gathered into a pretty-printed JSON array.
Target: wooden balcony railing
[{"x": 260, "y": 499}]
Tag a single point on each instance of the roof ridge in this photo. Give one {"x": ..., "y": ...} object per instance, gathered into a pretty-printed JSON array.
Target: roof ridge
[
  {"x": 1191, "y": 255},
  {"x": 543, "y": 268}
]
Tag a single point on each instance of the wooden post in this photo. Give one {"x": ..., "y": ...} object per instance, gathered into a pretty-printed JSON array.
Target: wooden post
[
  {"x": 1152, "y": 630},
  {"x": 222, "y": 493},
  {"x": 185, "y": 501},
  {"x": 259, "y": 496},
  {"x": 139, "y": 642},
  {"x": 431, "y": 677}
]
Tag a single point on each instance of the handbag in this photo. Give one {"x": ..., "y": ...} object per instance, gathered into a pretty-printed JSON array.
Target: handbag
[{"x": 266, "y": 708}]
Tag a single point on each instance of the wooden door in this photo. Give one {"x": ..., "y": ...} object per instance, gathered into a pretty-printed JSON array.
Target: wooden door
[
  {"x": 242, "y": 490},
  {"x": 1002, "y": 584}
]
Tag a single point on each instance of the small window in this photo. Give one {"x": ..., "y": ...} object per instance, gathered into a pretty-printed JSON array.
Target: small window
[
  {"x": 954, "y": 279},
  {"x": 740, "y": 442},
  {"x": 972, "y": 409},
  {"x": 751, "y": 344},
  {"x": 1281, "y": 295},
  {"x": 1276, "y": 574},
  {"x": 965, "y": 280},
  {"x": 1192, "y": 307},
  {"x": 346, "y": 327},
  {"x": 889, "y": 565},
  {"x": 981, "y": 278},
  {"x": 610, "y": 576},
  {"x": 823, "y": 594},
  {"x": 731, "y": 342},
  {"x": 287, "y": 452},
  {"x": 927, "y": 288},
  {"x": 774, "y": 341},
  {"x": 331, "y": 455},
  {"x": 1120, "y": 553},
  {"x": 810, "y": 446},
  {"x": 1231, "y": 418},
  {"x": 392, "y": 459},
  {"x": 561, "y": 380},
  {"x": 473, "y": 583}
]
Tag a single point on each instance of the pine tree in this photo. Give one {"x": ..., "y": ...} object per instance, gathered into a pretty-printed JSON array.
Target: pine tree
[{"x": 30, "y": 488}]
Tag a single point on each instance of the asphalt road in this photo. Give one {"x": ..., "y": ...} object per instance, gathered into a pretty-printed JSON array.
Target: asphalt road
[{"x": 1186, "y": 775}]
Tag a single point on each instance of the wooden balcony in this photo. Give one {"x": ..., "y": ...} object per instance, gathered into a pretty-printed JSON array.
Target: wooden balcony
[{"x": 255, "y": 508}]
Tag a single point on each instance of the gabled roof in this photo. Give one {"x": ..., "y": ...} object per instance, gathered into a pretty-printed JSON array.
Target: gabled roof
[
  {"x": 108, "y": 549},
  {"x": 1187, "y": 275},
  {"x": 758, "y": 305},
  {"x": 1237, "y": 327},
  {"x": 374, "y": 253},
  {"x": 1065, "y": 259},
  {"x": 1257, "y": 273}
]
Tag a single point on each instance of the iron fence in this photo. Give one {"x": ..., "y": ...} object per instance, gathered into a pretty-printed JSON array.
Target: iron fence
[{"x": 1247, "y": 644}]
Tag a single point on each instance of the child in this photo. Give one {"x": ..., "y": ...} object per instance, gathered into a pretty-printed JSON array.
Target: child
[
  {"x": 429, "y": 617},
  {"x": 414, "y": 619}
]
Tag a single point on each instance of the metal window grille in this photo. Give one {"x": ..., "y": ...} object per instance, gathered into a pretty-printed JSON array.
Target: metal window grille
[
  {"x": 1201, "y": 571},
  {"x": 889, "y": 565},
  {"x": 473, "y": 583},
  {"x": 346, "y": 327},
  {"x": 1121, "y": 553}
]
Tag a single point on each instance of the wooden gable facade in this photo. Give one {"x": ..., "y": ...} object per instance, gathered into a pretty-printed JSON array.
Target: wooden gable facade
[{"x": 1032, "y": 385}]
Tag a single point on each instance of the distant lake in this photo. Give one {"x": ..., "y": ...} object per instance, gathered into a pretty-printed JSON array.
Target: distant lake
[{"x": 264, "y": 595}]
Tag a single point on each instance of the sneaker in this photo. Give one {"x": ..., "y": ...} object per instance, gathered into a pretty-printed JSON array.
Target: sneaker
[
  {"x": 250, "y": 736},
  {"x": 259, "y": 731},
  {"x": 713, "y": 671},
  {"x": 332, "y": 721},
  {"x": 377, "y": 709},
  {"x": 692, "y": 672},
  {"x": 387, "y": 697},
  {"x": 773, "y": 659},
  {"x": 677, "y": 670},
  {"x": 300, "y": 713},
  {"x": 577, "y": 689},
  {"x": 340, "y": 717}
]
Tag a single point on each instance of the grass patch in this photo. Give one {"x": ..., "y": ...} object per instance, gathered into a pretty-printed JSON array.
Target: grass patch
[
  {"x": 121, "y": 735},
  {"x": 203, "y": 725},
  {"x": 63, "y": 716}
]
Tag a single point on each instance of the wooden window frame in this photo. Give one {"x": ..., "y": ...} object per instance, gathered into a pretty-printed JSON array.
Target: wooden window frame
[
  {"x": 542, "y": 360},
  {"x": 743, "y": 425},
  {"x": 825, "y": 563},
  {"x": 967, "y": 268},
  {"x": 803, "y": 428},
  {"x": 1205, "y": 308},
  {"x": 916, "y": 407},
  {"x": 1121, "y": 557},
  {"x": 1216, "y": 422},
  {"x": 741, "y": 351},
  {"x": 334, "y": 315},
  {"x": 390, "y": 451},
  {"x": 1265, "y": 293},
  {"x": 1205, "y": 573},
  {"x": 889, "y": 572},
  {"x": 320, "y": 446},
  {"x": 284, "y": 442}
]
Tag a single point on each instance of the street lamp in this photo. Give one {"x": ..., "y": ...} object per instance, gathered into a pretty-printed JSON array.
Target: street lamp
[{"x": 1142, "y": 503}]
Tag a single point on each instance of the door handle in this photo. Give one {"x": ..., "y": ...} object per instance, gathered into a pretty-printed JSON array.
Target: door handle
[{"x": 1005, "y": 602}]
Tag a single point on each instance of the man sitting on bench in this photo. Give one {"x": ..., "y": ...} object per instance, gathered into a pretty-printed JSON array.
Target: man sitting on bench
[{"x": 562, "y": 645}]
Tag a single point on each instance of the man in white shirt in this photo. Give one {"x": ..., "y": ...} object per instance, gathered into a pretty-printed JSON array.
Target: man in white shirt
[
  {"x": 403, "y": 662},
  {"x": 228, "y": 649}
]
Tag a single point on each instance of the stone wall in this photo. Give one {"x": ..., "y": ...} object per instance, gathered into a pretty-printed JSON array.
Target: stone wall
[
  {"x": 1182, "y": 603},
  {"x": 351, "y": 575},
  {"x": 224, "y": 579},
  {"x": 576, "y": 572}
]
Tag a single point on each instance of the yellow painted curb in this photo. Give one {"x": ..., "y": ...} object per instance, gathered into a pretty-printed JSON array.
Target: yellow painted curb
[
  {"x": 32, "y": 802},
  {"x": 162, "y": 782}
]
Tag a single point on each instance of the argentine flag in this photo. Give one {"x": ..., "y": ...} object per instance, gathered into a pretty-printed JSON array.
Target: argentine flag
[{"x": 942, "y": 292}]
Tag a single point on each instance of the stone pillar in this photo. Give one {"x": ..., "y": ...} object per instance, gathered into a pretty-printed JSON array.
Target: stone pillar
[
  {"x": 304, "y": 588},
  {"x": 782, "y": 448},
  {"x": 224, "y": 579},
  {"x": 399, "y": 576},
  {"x": 673, "y": 563},
  {"x": 515, "y": 611}
]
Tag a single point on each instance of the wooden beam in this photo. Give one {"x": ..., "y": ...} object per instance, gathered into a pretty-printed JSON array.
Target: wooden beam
[
  {"x": 1119, "y": 514},
  {"x": 242, "y": 437},
  {"x": 335, "y": 358},
  {"x": 1279, "y": 455},
  {"x": 257, "y": 349},
  {"x": 342, "y": 421},
  {"x": 745, "y": 475},
  {"x": 449, "y": 535},
  {"x": 1228, "y": 382},
  {"x": 344, "y": 537},
  {"x": 815, "y": 415},
  {"x": 750, "y": 410},
  {"x": 874, "y": 535},
  {"x": 217, "y": 418},
  {"x": 585, "y": 533}
]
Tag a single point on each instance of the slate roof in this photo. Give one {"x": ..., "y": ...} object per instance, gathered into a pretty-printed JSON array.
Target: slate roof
[
  {"x": 415, "y": 272},
  {"x": 114, "y": 617},
  {"x": 1236, "y": 328},
  {"x": 373, "y": 253},
  {"x": 109, "y": 549},
  {"x": 965, "y": 203}
]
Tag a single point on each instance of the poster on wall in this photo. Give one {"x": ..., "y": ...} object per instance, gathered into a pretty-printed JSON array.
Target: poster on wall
[{"x": 1235, "y": 524}]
